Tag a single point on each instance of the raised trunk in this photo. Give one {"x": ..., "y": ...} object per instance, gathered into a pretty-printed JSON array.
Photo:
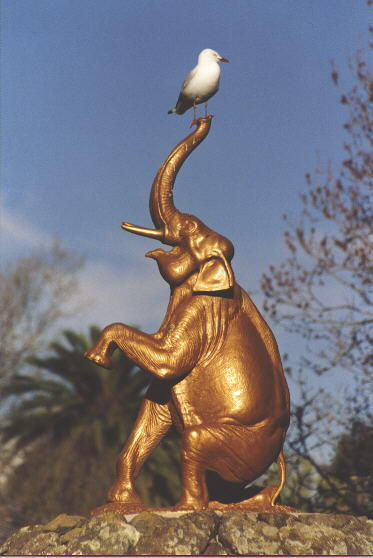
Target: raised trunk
[{"x": 161, "y": 201}]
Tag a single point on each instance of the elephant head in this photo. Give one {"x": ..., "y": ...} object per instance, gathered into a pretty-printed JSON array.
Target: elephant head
[{"x": 196, "y": 250}]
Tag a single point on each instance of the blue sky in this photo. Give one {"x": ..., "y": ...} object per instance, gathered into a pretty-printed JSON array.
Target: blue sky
[{"x": 86, "y": 89}]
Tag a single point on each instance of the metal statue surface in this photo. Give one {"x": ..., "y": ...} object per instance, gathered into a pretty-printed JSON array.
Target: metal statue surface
[{"x": 215, "y": 366}]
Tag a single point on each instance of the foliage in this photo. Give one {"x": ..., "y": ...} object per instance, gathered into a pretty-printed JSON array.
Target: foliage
[
  {"x": 71, "y": 418},
  {"x": 352, "y": 471},
  {"x": 323, "y": 292},
  {"x": 33, "y": 295}
]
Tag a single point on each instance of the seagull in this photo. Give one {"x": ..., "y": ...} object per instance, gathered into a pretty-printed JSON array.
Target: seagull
[{"x": 200, "y": 84}]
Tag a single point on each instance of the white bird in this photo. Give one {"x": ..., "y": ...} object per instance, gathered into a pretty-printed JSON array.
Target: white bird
[{"x": 201, "y": 83}]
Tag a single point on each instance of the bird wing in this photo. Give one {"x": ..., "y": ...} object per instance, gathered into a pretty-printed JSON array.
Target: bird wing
[{"x": 183, "y": 103}]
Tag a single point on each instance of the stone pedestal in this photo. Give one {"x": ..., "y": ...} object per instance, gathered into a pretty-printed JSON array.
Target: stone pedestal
[{"x": 197, "y": 533}]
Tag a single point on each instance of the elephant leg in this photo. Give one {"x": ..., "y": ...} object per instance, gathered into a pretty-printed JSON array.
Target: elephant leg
[
  {"x": 237, "y": 453},
  {"x": 101, "y": 352},
  {"x": 194, "y": 457},
  {"x": 152, "y": 423}
]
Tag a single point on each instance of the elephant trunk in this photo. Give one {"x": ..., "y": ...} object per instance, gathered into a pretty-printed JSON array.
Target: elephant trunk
[{"x": 161, "y": 202}]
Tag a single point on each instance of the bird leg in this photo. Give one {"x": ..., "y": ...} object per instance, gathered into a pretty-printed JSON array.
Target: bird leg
[
  {"x": 206, "y": 105},
  {"x": 194, "y": 122}
]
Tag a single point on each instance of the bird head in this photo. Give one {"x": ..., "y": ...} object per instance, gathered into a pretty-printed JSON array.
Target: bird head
[{"x": 208, "y": 54}]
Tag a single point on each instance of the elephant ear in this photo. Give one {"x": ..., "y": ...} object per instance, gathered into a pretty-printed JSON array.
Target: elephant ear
[{"x": 215, "y": 274}]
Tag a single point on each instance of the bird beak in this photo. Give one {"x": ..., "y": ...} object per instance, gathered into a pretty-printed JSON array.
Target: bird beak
[{"x": 223, "y": 60}]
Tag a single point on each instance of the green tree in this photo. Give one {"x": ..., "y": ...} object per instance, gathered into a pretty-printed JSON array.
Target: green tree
[
  {"x": 323, "y": 292},
  {"x": 70, "y": 418},
  {"x": 352, "y": 471}
]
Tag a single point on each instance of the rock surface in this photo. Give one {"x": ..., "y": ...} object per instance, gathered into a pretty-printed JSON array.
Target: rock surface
[{"x": 197, "y": 533}]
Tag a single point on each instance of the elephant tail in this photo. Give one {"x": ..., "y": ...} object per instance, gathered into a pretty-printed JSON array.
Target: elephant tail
[{"x": 282, "y": 470}]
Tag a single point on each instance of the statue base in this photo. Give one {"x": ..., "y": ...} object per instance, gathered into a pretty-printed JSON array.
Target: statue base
[{"x": 200, "y": 533}]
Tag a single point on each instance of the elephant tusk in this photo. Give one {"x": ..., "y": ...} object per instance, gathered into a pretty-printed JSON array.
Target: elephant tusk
[{"x": 143, "y": 231}]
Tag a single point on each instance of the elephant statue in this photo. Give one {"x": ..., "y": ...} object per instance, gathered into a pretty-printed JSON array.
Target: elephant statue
[{"x": 215, "y": 366}]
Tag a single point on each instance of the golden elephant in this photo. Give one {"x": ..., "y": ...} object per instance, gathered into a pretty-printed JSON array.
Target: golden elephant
[{"x": 215, "y": 366}]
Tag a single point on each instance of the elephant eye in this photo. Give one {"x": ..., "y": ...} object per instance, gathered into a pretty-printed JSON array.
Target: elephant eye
[{"x": 189, "y": 227}]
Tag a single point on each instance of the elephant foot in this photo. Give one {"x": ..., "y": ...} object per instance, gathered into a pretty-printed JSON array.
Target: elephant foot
[
  {"x": 191, "y": 504},
  {"x": 123, "y": 495},
  {"x": 123, "y": 500},
  {"x": 102, "y": 360},
  {"x": 265, "y": 497},
  {"x": 260, "y": 503}
]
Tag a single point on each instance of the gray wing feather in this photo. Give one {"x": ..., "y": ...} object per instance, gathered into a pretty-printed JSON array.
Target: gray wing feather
[{"x": 183, "y": 103}]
